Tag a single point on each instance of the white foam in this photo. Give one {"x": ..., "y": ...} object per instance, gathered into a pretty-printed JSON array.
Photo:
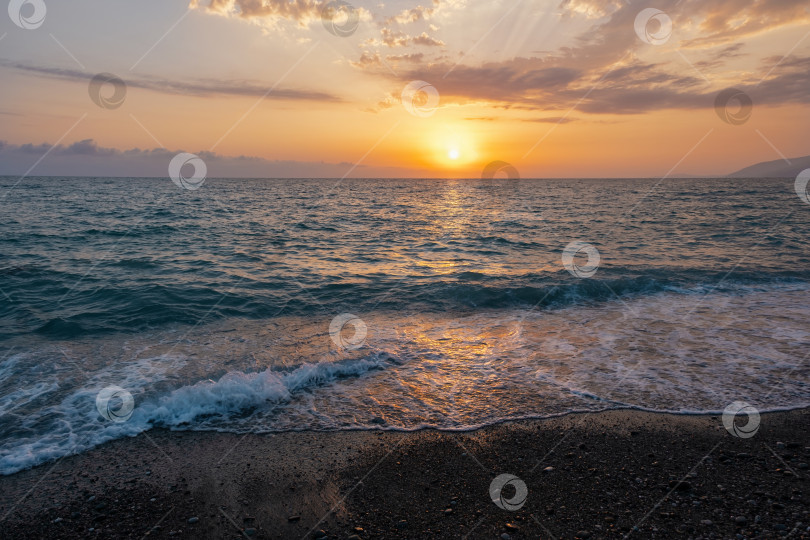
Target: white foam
[
  {"x": 666, "y": 352},
  {"x": 8, "y": 367},
  {"x": 237, "y": 392},
  {"x": 25, "y": 395},
  {"x": 80, "y": 427}
]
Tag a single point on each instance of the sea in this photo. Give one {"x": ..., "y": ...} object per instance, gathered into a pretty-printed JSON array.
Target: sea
[{"x": 268, "y": 305}]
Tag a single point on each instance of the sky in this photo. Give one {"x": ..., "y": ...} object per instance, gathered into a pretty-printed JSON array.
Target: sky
[{"x": 406, "y": 88}]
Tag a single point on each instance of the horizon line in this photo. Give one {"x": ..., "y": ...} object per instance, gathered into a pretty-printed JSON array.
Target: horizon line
[{"x": 679, "y": 177}]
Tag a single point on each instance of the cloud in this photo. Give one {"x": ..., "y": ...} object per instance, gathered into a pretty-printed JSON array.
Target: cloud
[
  {"x": 397, "y": 38},
  {"x": 716, "y": 22},
  {"x": 551, "y": 120},
  {"x": 589, "y": 8},
  {"x": 269, "y": 13},
  {"x": 86, "y": 147},
  {"x": 413, "y": 15},
  {"x": 727, "y": 20},
  {"x": 412, "y": 57},
  {"x": 387, "y": 103},
  {"x": 427, "y": 41},
  {"x": 631, "y": 87},
  {"x": 367, "y": 60},
  {"x": 518, "y": 80},
  {"x": 189, "y": 87},
  {"x": 87, "y": 158},
  {"x": 302, "y": 11},
  {"x": 605, "y": 70},
  {"x": 718, "y": 58},
  {"x": 394, "y": 38},
  {"x": 370, "y": 60}
]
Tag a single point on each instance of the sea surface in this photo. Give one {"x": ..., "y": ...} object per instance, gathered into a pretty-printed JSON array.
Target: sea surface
[{"x": 129, "y": 303}]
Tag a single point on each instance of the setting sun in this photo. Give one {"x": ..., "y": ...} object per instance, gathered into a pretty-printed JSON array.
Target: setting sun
[{"x": 452, "y": 146}]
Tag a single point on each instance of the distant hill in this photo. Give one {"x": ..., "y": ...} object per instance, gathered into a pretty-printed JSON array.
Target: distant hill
[{"x": 774, "y": 169}]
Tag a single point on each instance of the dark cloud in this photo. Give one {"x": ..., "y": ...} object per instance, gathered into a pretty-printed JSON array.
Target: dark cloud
[
  {"x": 720, "y": 57},
  {"x": 630, "y": 89},
  {"x": 551, "y": 120},
  {"x": 601, "y": 72},
  {"x": 87, "y": 158},
  {"x": 516, "y": 81},
  {"x": 87, "y": 147},
  {"x": 189, "y": 87}
]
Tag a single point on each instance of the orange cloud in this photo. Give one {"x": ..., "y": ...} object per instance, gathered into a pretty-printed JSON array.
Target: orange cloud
[{"x": 295, "y": 10}]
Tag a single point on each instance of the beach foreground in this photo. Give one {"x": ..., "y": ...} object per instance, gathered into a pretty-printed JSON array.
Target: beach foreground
[{"x": 596, "y": 475}]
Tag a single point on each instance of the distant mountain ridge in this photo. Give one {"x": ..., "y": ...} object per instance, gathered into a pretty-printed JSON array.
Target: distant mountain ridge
[{"x": 774, "y": 169}]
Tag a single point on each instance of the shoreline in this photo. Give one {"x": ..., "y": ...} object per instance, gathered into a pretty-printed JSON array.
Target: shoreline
[{"x": 588, "y": 475}]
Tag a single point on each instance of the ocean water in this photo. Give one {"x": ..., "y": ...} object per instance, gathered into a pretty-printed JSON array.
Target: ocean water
[{"x": 211, "y": 309}]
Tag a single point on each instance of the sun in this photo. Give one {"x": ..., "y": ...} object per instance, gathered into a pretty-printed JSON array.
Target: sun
[{"x": 449, "y": 147}]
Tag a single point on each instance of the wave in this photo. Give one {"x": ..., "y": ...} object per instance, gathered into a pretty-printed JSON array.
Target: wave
[
  {"x": 238, "y": 392},
  {"x": 76, "y": 424},
  {"x": 98, "y": 308},
  {"x": 438, "y": 371},
  {"x": 236, "y": 395}
]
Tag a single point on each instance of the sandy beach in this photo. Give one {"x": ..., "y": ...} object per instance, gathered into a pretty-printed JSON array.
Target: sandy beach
[{"x": 601, "y": 475}]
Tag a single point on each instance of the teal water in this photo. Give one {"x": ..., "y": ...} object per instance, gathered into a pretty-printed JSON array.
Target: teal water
[{"x": 212, "y": 308}]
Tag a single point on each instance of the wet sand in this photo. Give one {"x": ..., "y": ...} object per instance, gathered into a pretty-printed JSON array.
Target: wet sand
[{"x": 597, "y": 475}]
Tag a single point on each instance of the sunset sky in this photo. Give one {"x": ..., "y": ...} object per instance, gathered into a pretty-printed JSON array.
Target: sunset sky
[{"x": 262, "y": 88}]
